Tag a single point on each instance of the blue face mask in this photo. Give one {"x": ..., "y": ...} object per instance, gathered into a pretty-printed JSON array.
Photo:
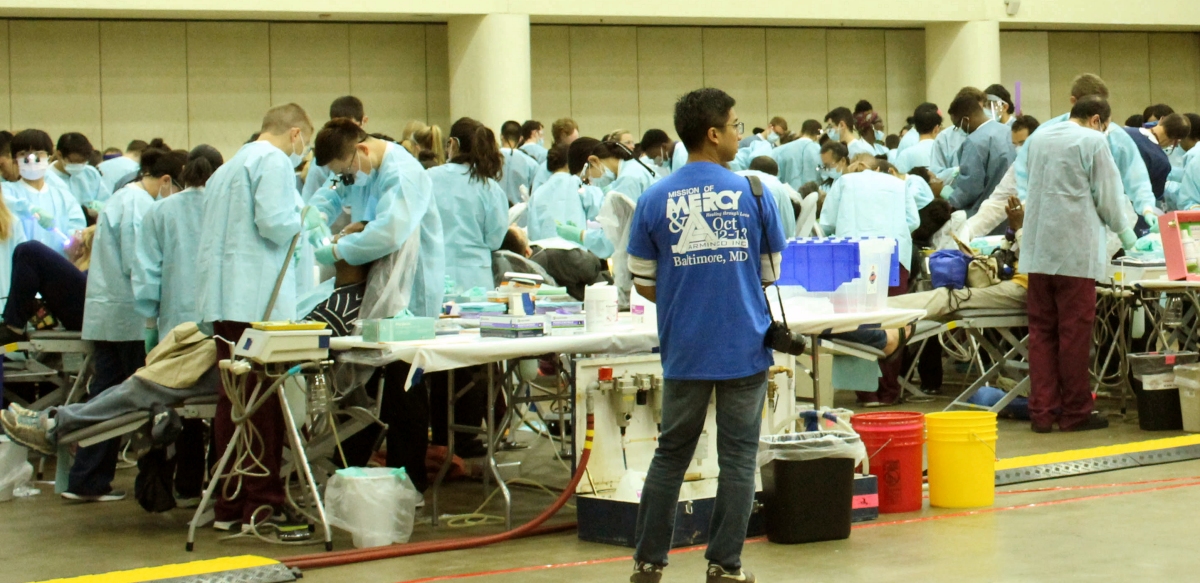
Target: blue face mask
[
  {"x": 773, "y": 138},
  {"x": 830, "y": 174},
  {"x": 834, "y": 134},
  {"x": 879, "y": 137},
  {"x": 604, "y": 180},
  {"x": 541, "y": 142}
]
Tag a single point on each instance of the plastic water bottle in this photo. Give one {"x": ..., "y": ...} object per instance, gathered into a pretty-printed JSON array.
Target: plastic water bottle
[{"x": 318, "y": 396}]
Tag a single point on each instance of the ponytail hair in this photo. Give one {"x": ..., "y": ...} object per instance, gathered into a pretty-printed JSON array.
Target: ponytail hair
[
  {"x": 477, "y": 149},
  {"x": 157, "y": 162},
  {"x": 430, "y": 139},
  {"x": 583, "y": 148},
  {"x": 202, "y": 161}
]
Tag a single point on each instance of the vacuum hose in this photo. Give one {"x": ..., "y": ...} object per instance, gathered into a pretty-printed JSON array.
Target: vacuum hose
[{"x": 334, "y": 559}]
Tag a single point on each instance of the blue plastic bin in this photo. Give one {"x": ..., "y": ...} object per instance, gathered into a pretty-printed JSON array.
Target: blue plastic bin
[{"x": 819, "y": 265}]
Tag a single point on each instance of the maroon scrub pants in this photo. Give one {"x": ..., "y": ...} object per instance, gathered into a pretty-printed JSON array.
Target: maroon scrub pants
[
  {"x": 255, "y": 491},
  {"x": 1061, "y": 311}
]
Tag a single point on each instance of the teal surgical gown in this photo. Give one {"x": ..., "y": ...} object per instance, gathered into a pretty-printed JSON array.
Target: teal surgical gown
[
  {"x": 55, "y": 199},
  {"x": 475, "y": 219},
  {"x": 397, "y": 200},
  {"x": 871, "y": 204},
  {"x": 164, "y": 278},
  {"x": 632, "y": 179},
  {"x": 919, "y": 155},
  {"x": 114, "y": 170},
  {"x": 251, "y": 214},
  {"x": 1135, "y": 179},
  {"x": 519, "y": 170},
  {"x": 564, "y": 199},
  {"x": 108, "y": 312},
  {"x": 799, "y": 162},
  {"x": 86, "y": 185}
]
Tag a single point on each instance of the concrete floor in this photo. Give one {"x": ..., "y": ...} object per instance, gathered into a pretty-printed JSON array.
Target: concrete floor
[{"x": 1070, "y": 531}]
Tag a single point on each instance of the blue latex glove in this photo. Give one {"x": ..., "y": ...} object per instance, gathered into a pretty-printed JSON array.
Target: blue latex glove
[
  {"x": 150, "y": 337},
  {"x": 1151, "y": 220},
  {"x": 1128, "y": 239},
  {"x": 44, "y": 218},
  {"x": 325, "y": 255},
  {"x": 569, "y": 232},
  {"x": 95, "y": 205},
  {"x": 315, "y": 226}
]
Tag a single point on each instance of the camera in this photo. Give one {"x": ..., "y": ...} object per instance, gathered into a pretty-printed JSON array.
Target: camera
[{"x": 781, "y": 339}]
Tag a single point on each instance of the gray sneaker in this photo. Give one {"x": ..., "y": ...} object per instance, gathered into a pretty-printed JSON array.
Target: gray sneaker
[
  {"x": 30, "y": 431},
  {"x": 718, "y": 574},
  {"x": 646, "y": 573}
]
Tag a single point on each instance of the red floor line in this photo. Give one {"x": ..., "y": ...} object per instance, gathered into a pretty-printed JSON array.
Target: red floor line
[{"x": 856, "y": 527}]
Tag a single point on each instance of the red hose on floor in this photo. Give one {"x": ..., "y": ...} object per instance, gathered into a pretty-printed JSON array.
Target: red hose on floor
[{"x": 334, "y": 559}]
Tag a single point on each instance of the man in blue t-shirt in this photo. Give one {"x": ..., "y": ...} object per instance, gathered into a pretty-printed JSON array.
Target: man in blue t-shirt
[{"x": 697, "y": 248}]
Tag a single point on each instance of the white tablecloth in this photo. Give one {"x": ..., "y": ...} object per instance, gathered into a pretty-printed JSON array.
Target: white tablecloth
[{"x": 469, "y": 349}]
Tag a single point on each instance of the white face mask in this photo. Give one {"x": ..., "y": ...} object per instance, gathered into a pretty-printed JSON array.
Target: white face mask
[
  {"x": 74, "y": 169},
  {"x": 295, "y": 158},
  {"x": 33, "y": 168},
  {"x": 360, "y": 176}
]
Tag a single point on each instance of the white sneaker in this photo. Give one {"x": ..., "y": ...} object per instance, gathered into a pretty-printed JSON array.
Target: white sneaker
[{"x": 112, "y": 496}]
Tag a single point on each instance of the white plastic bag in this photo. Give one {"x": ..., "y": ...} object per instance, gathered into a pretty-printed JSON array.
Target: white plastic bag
[
  {"x": 15, "y": 470},
  {"x": 375, "y": 505},
  {"x": 811, "y": 445}
]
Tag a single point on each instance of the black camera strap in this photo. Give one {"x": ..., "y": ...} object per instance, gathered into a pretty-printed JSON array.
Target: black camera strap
[{"x": 757, "y": 189}]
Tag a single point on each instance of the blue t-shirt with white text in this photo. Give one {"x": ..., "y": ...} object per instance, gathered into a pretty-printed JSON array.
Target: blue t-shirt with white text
[{"x": 703, "y": 228}]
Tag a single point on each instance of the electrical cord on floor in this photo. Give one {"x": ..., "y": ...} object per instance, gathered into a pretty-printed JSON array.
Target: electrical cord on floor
[{"x": 477, "y": 518}]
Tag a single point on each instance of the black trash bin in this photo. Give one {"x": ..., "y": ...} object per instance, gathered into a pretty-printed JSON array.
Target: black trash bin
[
  {"x": 808, "y": 486},
  {"x": 1151, "y": 375}
]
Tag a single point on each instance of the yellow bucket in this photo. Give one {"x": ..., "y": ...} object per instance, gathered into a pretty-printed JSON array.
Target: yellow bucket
[{"x": 962, "y": 458}]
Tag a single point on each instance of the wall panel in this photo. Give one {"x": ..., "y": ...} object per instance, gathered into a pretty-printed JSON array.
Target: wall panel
[
  {"x": 54, "y": 71},
  {"x": 668, "y": 67},
  {"x": 1125, "y": 68},
  {"x": 387, "y": 72},
  {"x": 857, "y": 68},
  {"x": 143, "y": 92},
  {"x": 1175, "y": 70},
  {"x": 735, "y": 61},
  {"x": 796, "y": 75},
  {"x": 550, "y": 69},
  {"x": 604, "y": 77},
  {"x": 5, "y": 89},
  {"x": 437, "y": 76},
  {"x": 1071, "y": 54},
  {"x": 310, "y": 66},
  {"x": 229, "y": 82},
  {"x": 1025, "y": 58},
  {"x": 905, "y": 61}
]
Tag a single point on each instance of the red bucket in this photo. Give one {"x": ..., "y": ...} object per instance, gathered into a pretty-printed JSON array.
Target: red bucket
[{"x": 894, "y": 442}]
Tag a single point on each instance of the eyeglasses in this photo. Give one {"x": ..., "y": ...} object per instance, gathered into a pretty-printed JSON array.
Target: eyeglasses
[{"x": 740, "y": 126}]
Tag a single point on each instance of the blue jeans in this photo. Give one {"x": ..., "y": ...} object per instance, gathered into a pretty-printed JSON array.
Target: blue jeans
[{"x": 739, "y": 420}]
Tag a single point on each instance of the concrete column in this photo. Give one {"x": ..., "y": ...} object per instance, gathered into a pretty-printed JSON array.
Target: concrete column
[
  {"x": 960, "y": 54},
  {"x": 489, "y": 68}
]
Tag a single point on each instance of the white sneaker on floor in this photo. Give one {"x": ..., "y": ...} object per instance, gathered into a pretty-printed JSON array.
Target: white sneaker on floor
[
  {"x": 112, "y": 496},
  {"x": 187, "y": 502}
]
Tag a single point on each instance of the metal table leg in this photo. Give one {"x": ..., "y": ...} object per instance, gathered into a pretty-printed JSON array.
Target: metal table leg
[
  {"x": 437, "y": 482},
  {"x": 305, "y": 472}
]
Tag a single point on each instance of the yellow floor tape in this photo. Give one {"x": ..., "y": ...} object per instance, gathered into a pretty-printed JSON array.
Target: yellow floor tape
[
  {"x": 172, "y": 571},
  {"x": 1095, "y": 452}
]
